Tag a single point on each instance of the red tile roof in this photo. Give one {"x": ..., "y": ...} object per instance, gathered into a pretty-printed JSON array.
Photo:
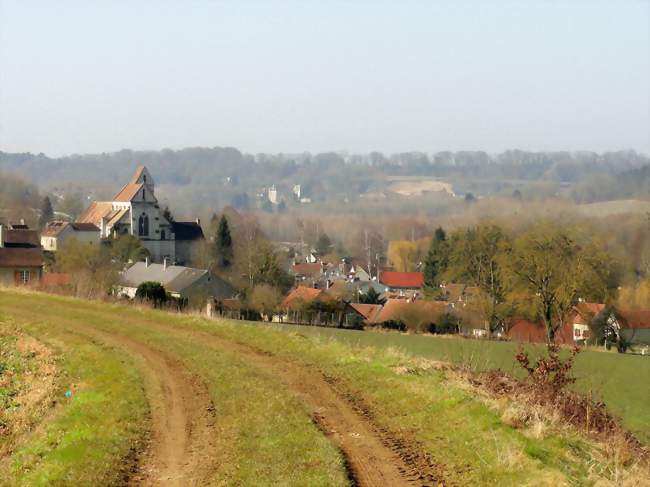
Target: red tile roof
[
  {"x": 301, "y": 295},
  {"x": 393, "y": 309},
  {"x": 368, "y": 311},
  {"x": 307, "y": 269},
  {"x": 402, "y": 280}
]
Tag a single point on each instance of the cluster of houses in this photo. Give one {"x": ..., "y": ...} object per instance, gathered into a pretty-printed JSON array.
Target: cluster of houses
[
  {"x": 134, "y": 211},
  {"x": 332, "y": 293}
]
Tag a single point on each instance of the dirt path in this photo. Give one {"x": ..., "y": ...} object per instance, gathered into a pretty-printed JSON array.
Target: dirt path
[
  {"x": 182, "y": 416},
  {"x": 374, "y": 457}
]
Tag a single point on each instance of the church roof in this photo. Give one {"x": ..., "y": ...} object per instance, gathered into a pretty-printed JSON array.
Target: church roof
[
  {"x": 96, "y": 211},
  {"x": 128, "y": 192},
  {"x": 136, "y": 175}
]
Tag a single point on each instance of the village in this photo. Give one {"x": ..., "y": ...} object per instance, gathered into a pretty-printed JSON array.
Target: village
[{"x": 349, "y": 292}]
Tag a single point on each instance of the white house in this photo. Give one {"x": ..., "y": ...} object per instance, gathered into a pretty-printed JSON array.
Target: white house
[{"x": 57, "y": 232}]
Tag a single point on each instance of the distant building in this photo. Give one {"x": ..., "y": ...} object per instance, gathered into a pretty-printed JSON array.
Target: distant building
[
  {"x": 21, "y": 256},
  {"x": 403, "y": 283},
  {"x": 135, "y": 211},
  {"x": 195, "y": 285},
  {"x": 57, "y": 232},
  {"x": 297, "y": 191},
  {"x": 273, "y": 195}
]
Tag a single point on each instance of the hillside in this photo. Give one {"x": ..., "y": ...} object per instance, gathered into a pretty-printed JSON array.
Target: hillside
[{"x": 148, "y": 397}]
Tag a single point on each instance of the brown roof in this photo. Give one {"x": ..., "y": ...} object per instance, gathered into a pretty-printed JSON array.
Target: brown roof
[
  {"x": 394, "y": 308},
  {"x": 402, "y": 280},
  {"x": 368, "y": 311},
  {"x": 52, "y": 229},
  {"x": 21, "y": 257},
  {"x": 95, "y": 212},
  {"x": 21, "y": 238},
  {"x": 136, "y": 175},
  {"x": 84, "y": 227},
  {"x": 307, "y": 269},
  {"x": 300, "y": 295},
  {"x": 128, "y": 192},
  {"x": 634, "y": 318}
]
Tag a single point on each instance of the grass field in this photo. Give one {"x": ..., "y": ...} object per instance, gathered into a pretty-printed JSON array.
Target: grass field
[
  {"x": 616, "y": 379},
  {"x": 263, "y": 432}
]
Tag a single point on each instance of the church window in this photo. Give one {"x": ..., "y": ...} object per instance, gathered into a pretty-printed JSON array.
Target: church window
[
  {"x": 162, "y": 235},
  {"x": 143, "y": 195},
  {"x": 143, "y": 225}
]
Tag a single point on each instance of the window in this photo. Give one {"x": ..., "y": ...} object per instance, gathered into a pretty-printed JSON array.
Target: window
[
  {"x": 143, "y": 225},
  {"x": 22, "y": 277},
  {"x": 143, "y": 195},
  {"x": 162, "y": 235}
]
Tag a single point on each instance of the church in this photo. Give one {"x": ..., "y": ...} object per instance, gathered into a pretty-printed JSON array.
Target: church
[{"x": 135, "y": 211}]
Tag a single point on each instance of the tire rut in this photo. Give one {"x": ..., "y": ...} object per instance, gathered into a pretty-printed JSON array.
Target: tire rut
[
  {"x": 374, "y": 457},
  {"x": 182, "y": 416}
]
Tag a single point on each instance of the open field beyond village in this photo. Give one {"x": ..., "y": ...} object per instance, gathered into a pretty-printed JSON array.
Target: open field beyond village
[{"x": 138, "y": 396}]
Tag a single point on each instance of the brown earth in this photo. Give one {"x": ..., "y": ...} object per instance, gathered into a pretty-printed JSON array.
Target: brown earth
[
  {"x": 182, "y": 417},
  {"x": 374, "y": 456}
]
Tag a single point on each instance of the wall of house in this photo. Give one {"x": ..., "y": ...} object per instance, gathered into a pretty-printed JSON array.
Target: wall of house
[
  {"x": 8, "y": 274},
  {"x": 186, "y": 251}
]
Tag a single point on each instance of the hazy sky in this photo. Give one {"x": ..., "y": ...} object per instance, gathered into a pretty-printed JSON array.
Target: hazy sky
[{"x": 92, "y": 76}]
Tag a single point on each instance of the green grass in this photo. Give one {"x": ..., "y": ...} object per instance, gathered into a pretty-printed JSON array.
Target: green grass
[
  {"x": 619, "y": 380},
  {"x": 87, "y": 437},
  {"x": 265, "y": 436}
]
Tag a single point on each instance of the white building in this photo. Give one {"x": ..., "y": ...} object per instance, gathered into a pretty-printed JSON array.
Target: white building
[
  {"x": 57, "y": 232},
  {"x": 273, "y": 195},
  {"x": 135, "y": 211}
]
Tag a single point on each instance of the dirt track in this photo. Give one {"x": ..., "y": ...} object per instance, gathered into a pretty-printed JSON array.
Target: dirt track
[
  {"x": 181, "y": 417},
  {"x": 374, "y": 457}
]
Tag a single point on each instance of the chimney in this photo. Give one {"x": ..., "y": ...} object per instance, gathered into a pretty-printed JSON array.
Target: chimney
[
  {"x": 146, "y": 261},
  {"x": 2, "y": 235},
  {"x": 165, "y": 264}
]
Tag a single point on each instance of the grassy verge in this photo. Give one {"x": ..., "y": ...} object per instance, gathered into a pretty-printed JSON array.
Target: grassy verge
[
  {"x": 616, "y": 379},
  {"x": 264, "y": 436},
  {"x": 87, "y": 437}
]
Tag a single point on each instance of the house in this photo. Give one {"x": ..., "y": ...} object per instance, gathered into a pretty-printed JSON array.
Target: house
[
  {"x": 575, "y": 330},
  {"x": 405, "y": 310},
  {"x": 403, "y": 283},
  {"x": 299, "y": 297},
  {"x": 367, "y": 312},
  {"x": 21, "y": 256},
  {"x": 634, "y": 327},
  {"x": 135, "y": 210},
  {"x": 57, "y": 232},
  {"x": 195, "y": 285},
  {"x": 307, "y": 273}
]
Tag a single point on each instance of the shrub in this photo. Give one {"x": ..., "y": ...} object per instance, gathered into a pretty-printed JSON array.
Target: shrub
[{"x": 153, "y": 292}]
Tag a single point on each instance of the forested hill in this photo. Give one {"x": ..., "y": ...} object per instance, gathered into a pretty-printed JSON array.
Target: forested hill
[{"x": 325, "y": 176}]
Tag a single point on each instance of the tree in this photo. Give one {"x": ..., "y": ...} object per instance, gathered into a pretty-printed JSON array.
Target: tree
[
  {"x": 267, "y": 269},
  {"x": 152, "y": 291},
  {"x": 470, "y": 198},
  {"x": 371, "y": 297},
  {"x": 516, "y": 195},
  {"x": 127, "y": 248},
  {"x": 47, "y": 213},
  {"x": 167, "y": 214},
  {"x": 323, "y": 244},
  {"x": 223, "y": 244},
  {"x": 476, "y": 258},
  {"x": 265, "y": 299},
  {"x": 437, "y": 259},
  {"x": 93, "y": 271},
  {"x": 71, "y": 205},
  {"x": 555, "y": 271}
]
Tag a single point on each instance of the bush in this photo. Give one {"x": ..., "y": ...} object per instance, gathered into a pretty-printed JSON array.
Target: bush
[{"x": 152, "y": 291}]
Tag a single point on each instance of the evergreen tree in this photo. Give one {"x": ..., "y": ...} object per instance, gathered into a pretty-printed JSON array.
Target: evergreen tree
[
  {"x": 47, "y": 213},
  {"x": 223, "y": 244},
  {"x": 324, "y": 244},
  {"x": 371, "y": 297},
  {"x": 437, "y": 259}
]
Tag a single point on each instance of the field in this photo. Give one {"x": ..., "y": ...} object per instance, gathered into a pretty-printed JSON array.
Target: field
[{"x": 157, "y": 398}]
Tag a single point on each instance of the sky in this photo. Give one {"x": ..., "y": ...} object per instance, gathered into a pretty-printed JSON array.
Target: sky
[{"x": 100, "y": 76}]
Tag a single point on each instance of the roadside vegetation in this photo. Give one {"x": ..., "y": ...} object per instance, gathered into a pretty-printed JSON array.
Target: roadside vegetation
[{"x": 96, "y": 420}]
